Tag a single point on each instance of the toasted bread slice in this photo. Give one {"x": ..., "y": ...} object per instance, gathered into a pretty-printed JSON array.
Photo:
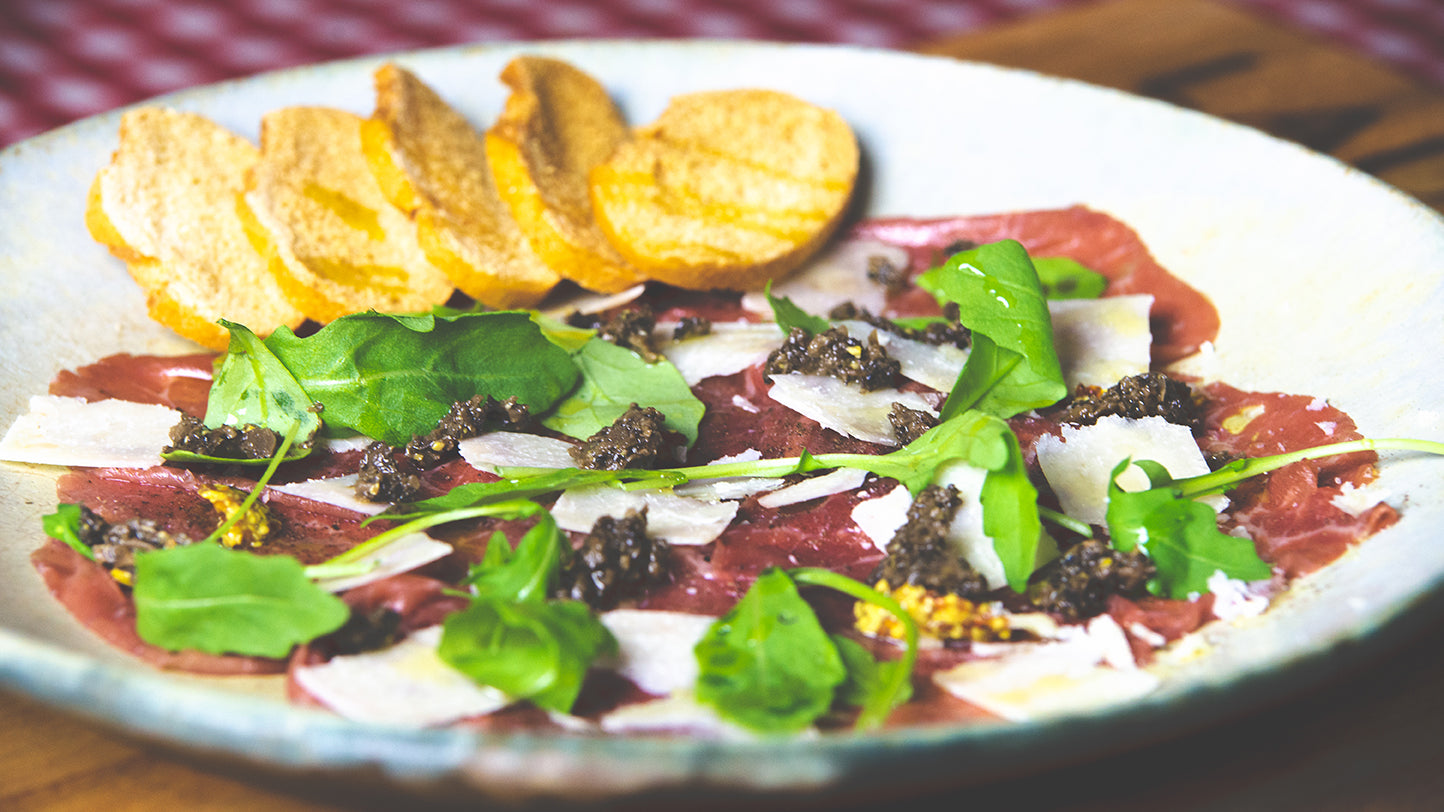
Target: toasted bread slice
[
  {"x": 166, "y": 204},
  {"x": 727, "y": 189},
  {"x": 558, "y": 123},
  {"x": 431, "y": 163},
  {"x": 334, "y": 242}
]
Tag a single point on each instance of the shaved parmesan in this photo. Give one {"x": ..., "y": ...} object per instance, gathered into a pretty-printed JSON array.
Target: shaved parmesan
[
  {"x": 338, "y": 445},
  {"x": 405, "y": 554},
  {"x": 1084, "y": 668},
  {"x": 406, "y": 684},
  {"x": 1102, "y": 341},
  {"x": 965, "y": 534},
  {"x": 880, "y": 518},
  {"x": 1078, "y": 466},
  {"x": 840, "y": 481},
  {"x": 677, "y": 712},
  {"x": 844, "y": 408},
  {"x": 836, "y": 276},
  {"x": 338, "y": 491},
  {"x": 672, "y": 518},
  {"x": 509, "y": 448},
  {"x": 739, "y": 487},
  {"x": 584, "y": 302},
  {"x": 94, "y": 434},
  {"x": 730, "y": 348},
  {"x": 933, "y": 365},
  {"x": 654, "y": 648}
]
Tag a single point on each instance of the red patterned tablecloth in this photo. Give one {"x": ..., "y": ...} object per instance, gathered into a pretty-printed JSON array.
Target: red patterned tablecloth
[{"x": 64, "y": 59}]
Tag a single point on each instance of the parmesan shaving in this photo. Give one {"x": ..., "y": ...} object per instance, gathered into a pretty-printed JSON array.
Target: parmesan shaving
[
  {"x": 846, "y": 409},
  {"x": 91, "y": 434}
]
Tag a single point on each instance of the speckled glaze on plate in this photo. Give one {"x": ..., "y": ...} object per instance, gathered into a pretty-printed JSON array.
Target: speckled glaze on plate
[{"x": 1326, "y": 281}]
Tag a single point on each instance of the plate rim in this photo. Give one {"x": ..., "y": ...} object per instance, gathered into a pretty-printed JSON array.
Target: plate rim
[{"x": 60, "y": 683}]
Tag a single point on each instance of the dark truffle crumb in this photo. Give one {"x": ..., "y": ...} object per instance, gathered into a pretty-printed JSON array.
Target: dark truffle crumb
[
  {"x": 467, "y": 418},
  {"x": 947, "y": 331},
  {"x": 882, "y": 272},
  {"x": 956, "y": 247},
  {"x": 909, "y": 424},
  {"x": 364, "y": 631},
  {"x": 1152, "y": 394},
  {"x": 919, "y": 552},
  {"x": 382, "y": 479},
  {"x": 115, "y": 545},
  {"x": 692, "y": 326},
  {"x": 1078, "y": 584},
  {"x": 630, "y": 328},
  {"x": 835, "y": 353},
  {"x": 637, "y": 439},
  {"x": 617, "y": 561},
  {"x": 248, "y": 442}
]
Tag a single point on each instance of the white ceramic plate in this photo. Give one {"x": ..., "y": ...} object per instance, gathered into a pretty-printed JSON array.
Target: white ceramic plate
[{"x": 1324, "y": 279}]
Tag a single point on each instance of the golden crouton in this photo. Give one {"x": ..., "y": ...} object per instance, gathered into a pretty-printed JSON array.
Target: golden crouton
[
  {"x": 558, "y": 123},
  {"x": 727, "y": 189},
  {"x": 431, "y": 163},
  {"x": 335, "y": 244},
  {"x": 166, "y": 204}
]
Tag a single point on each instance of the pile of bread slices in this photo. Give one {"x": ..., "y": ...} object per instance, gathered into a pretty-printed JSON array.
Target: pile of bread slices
[{"x": 335, "y": 213}]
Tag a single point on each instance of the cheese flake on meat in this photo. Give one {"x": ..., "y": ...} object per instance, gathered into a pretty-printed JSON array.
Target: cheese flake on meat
[
  {"x": 728, "y": 349},
  {"x": 678, "y": 712},
  {"x": 1078, "y": 466},
  {"x": 509, "y": 448},
  {"x": 965, "y": 534},
  {"x": 406, "y": 684},
  {"x": 1085, "y": 668},
  {"x": 880, "y": 517},
  {"x": 671, "y": 518},
  {"x": 840, "y": 481},
  {"x": 933, "y": 365},
  {"x": 835, "y": 276},
  {"x": 1102, "y": 341},
  {"x": 844, "y": 408},
  {"x": 411, "y": 551},
  {"x": 654, "y": 648},
  {"x": 95, "y": 434},
  {"x": 339, "y": 491}
]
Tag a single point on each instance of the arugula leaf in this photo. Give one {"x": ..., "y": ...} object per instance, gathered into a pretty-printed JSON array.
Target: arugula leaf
[
  {"x": 64, "y": 524},
  {"x": 1180, "y": 535},
  {"x": 877, "y": 687},
  {"x": 394, "y": 376},
  {"x": 512, "y": 637},
  {"x": 1010, "y": 515},
  {"x": 526, "y": 573},
  {"x": 562, "y": 334},
  {"x": 528, "y": 649},
  {"x": 220, "y": 601},
  {"x": 252, "y": 386},
  {"x": 1065, "y": 278},
  {"x": 1012, "y": 366},
  {"x": 767, "y": 664},
  {"x": 870, "y": 681},
  {"x": 613, "y": 378},
  {"x": 789, "y": 315}
]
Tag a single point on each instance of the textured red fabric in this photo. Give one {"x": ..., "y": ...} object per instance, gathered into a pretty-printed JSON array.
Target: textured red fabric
[{"x": 61, "y": 60}]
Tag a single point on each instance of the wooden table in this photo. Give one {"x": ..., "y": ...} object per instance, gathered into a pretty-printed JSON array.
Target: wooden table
[{"x": 1368, "y": 739}]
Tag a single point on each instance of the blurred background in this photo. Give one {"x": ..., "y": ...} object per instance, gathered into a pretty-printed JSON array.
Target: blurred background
[{"x": 61, "y": 60}]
